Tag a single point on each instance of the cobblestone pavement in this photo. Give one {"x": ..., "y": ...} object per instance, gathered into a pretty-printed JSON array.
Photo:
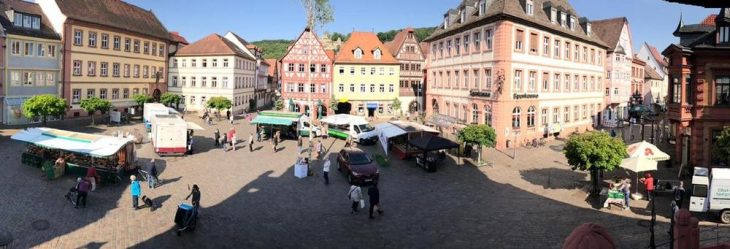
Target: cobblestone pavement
[{"x": 253, "y": 200}]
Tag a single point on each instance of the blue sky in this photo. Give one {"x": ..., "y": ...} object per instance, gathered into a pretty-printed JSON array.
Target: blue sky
[{"x": 650, "y": 20}]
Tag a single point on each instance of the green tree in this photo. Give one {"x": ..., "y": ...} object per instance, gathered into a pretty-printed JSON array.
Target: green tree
[
  {"x": 141, "y": 99},
  {"x": 479, "y": 134},
  {"x": 169, "y": 99},
  {"x": 278, "y": 105},
  {"x": 219, "y": 103},
  {"x": 387, "y": 35},
  {"x": 43, "y": 106},
  {"x": 318, "y": 12},
  {"x": 595, "y": 152},
  {"x": 721, "y": 148},
  {"x": 396, "y": 106},
  {"x": 94, "y": 104}
]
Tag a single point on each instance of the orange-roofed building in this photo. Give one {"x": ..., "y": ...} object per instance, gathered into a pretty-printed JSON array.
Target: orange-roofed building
[
  {"x": 407, "y": 51},
  {"x": 306, "y": 76},
  {"x": 366, "y": 77}
]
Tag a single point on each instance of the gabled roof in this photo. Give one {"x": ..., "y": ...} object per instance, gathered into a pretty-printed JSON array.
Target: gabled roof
[
  {"x": 246, "y": 53},
  {"x": 176, "y": 37},
  {"x": 46, "y": 31},
  {"x": 330, "y": 54},
  {"x": 609, "y": 30},
  {"x": 397, "y": 42},
  {"x": 709, "y": 20},
  {"x": 368, "y": 42},
  {"x": 650, "y": 73},
  {"x": 513, "y": 10},
  {"x": 213, "y": 44},
  {"x": 114, "y": 13},
  {"x": 272, "y": 66},
  {"x": 657, "y": 56}
]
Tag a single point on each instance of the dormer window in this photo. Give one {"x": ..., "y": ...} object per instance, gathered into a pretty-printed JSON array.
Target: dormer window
[
  {"x": 358, "y": 53},
  {"x": 446, "y": 22},
  {"x": 572, "y": 23},
  {"x": 563, "y": 20},
  {"x": 723, "y": 34},
  {"x": 588, "y": 29},
  {"x": 26, "y": 21},
  {"x": 377, "y": 54},
  {"x": 554, "y": 15},
  {"x": 482, "y": 7},
  {"x": 529, "y": 7},
  {"x": 462, "y": 16}
]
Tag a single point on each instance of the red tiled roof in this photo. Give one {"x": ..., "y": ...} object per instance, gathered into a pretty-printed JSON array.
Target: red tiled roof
[
  {"x": 272, "y": 66},
  {"x": 213, "y": 44},
  {"x": 116, "y": 14},
  {"x": 609, "y": 31},
  {"x": 176, "y": 37},
  {"x": 709, "y": 20},
  {"x": 330, "y": 54},
  {"x": 424, "y": 48},
  {"x": 657, "y": 56},
  {"x": 368, "y": 42},
  {"x": 397, "y": 41}
]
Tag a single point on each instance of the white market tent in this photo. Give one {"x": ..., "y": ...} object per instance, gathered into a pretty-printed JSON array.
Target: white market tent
[
  {"x": 341, "y": 119},
  {"x": 90, "y": 144},
  {"x": 385, "y": 131}
]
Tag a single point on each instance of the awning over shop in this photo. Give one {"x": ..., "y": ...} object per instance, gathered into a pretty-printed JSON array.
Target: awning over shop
[
  {"x": 94, "y": 145},
  {"x": 431, "y": 143},
  {"x": 372, "y": 105},
  {"x": 272, "y": 120}
]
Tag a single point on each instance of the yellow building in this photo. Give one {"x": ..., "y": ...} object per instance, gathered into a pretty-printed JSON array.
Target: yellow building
[
  {"x": 366, "y": 75},
  {"x": 111, "y": 50}
]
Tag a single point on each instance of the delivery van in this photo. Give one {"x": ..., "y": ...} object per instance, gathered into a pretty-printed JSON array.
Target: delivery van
[{"x": 711, "y": 192}]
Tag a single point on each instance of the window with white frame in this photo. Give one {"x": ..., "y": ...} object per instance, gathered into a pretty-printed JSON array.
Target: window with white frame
[
  {"x": 224, "y": 81},
  {"x": 125, "y": 93},
  {"x": 104, "y": 41},
  {"x": 517, "y": 81},
  {"x": 377, "y": 54},
  {"x": 529, "y": 7},
  {"x": 90, "y": 93},
  {"x": 477, "y": 41},
  {"x": 115, "y": 93},
  {"x": 117, "y": 42},
  {"x": 41, "y": 51},
  {"x": 92, "y": 39},
  {"x": 358, "y": 53},
  {"x": 75, "y": 96},
  {"x": 102, "y": 93},
  {"x": 15, "y": 47},
  {"x": 516, "y": 113},
  {"x": 488, "y": 79},
  {"x": 78, "y": 37},
  {"x": 214, "y": 82},
  {"x": 391, "y": 88},
  {"x": 225, "y": 63},
  {"x": 77, "y": 68},
  {"x": 28, "y": 49},
  {"x": 382, "y": 88},
  {"x": 532, "y": 83},
  {"x": 104, "y": 69}
]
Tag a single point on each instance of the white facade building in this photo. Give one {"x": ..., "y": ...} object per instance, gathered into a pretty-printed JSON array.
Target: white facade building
[
  {"x": 617, "y": 35},
  {"x": 655, "y": 90},
  {"x": 211, "y": 67}
]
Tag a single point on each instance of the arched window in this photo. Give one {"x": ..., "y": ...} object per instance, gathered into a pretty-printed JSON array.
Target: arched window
[
  {"x": 377, "y": 54},
  {"x": 358, "y": 53},
  {"x": 487, "y": 115},
  {"x": 516, "y": 117},
  {"x": 296, "y": 108},
  {"x": 474, "y": 113},
  {"x": 531, "y": 116}
]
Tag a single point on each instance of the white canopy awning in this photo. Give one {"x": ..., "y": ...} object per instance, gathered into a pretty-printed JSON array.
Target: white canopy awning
[
  {"x": 342, "y": 119},
  {"x": 389, "y": 130},
  {"x": 94, "y": 145},
  {"x": 638, "y": 164}
]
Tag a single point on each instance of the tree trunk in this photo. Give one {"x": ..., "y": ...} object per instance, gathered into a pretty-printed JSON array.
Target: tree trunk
[
  {"x": 479, "y": 155},
  {"x": 594, "y": 180},
  {"x": 92, "y": 118}
]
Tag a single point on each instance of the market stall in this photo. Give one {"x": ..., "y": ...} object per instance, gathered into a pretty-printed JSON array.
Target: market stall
[
  {"x": 394, "y": 136},
  {"x": 432, "y": 147},
  {"x": 81, "y": 151},
  {"x": 291, "y": 124},
  {"x": 355, "y": 127}
]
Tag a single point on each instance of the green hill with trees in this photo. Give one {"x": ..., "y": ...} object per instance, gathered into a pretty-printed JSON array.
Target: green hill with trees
[{"x": 275, "y": 49}]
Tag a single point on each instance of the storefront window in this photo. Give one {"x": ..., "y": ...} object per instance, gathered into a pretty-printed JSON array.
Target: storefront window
[
  {"x": 516, "y": 118},
  {"x": 676, "y": 90},
  {"x": 531, "y": 116},
  {"x": 722, "y": 89}
]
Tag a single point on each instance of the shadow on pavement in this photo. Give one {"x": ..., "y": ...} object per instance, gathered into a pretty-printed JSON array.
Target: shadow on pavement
[
  {"x": 555, "y": 178},
  {"x": 93, "y": 245}
]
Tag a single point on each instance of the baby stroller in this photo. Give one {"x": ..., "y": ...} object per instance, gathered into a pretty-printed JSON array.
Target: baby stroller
[
  {"x": 186, "y": 218},
  {"x": 71, "y": 195}
]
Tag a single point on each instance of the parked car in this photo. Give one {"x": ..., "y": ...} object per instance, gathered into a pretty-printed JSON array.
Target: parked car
[{"x": 358, "y": 166}]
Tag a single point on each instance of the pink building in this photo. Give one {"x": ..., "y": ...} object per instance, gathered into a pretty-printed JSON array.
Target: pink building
[
  {"x": 296, "y": 70},
  {"x": 530, "y": 69}
]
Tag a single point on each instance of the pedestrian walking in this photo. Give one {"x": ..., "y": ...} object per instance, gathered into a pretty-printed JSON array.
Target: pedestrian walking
[
  {"x": 374, "y": 194},
  {"x": 320, "y": 148},
  {"x": 217, "y": 136},
  {"x": 228, "y": 114},
  {"x": 259, "y": 133},
  {"x": 195, "y": 193},
  {"x": 152, "y": 174},
  {"x": 224, "y": 142},
  {"x": 275, "y": 141},
  {"x": 250, "y": 142},
  {"x": 231, "y": 117},
  {"x": 326, "y": 171},
  {"x": 136, "y": 191},
  {"x": 209, "y": 120},
  {"x": 355, "y": 196},
  {"x": 82, "y": 190}
]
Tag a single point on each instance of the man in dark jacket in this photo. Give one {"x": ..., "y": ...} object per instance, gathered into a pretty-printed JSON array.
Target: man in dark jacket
[
  {"x": 217, "y": 136},
  {"x": 374, "y": 195},
  {"x": 152, "y": 174},
  {"x": 82, "y": 187}
]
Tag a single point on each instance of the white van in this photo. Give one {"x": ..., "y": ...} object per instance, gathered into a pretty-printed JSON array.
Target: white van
[
  {"x": 711, "y": 192},
  {"x": 355, "y": 127}
]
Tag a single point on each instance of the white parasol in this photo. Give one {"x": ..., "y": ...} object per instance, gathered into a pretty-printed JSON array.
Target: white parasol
[{"x": 646, "y": 150}]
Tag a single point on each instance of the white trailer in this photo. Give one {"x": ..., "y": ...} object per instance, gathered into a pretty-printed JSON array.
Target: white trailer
[
  {"x": 169, "y": 135},
  {"x": 711, "y": 192},
  {"x": 151, "y": 110}
]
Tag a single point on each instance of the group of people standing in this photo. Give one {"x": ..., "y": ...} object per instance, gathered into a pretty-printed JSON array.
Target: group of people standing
[
  {"x": 152, "y": 180},
  {"x": 227, "y": 140}
]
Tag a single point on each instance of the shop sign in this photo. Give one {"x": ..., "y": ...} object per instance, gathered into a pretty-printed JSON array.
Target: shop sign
[
  {"x": 477, "y": 93},
  {"x": 525, "y": 96}
]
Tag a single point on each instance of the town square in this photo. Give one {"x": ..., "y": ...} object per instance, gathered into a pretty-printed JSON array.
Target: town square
[{"x": 469, "y": 124}]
